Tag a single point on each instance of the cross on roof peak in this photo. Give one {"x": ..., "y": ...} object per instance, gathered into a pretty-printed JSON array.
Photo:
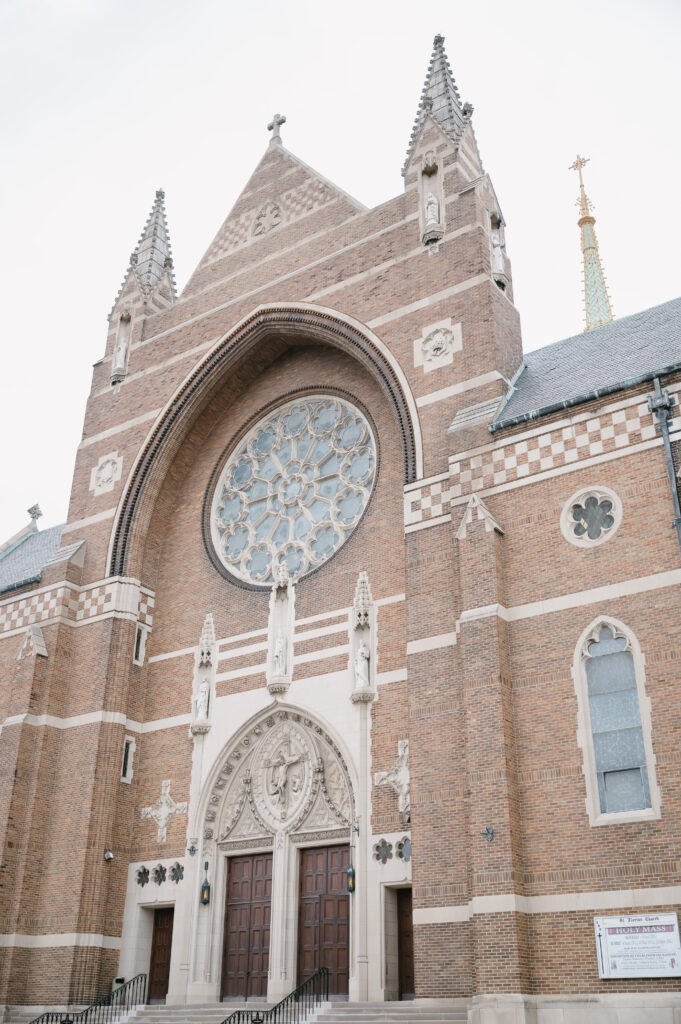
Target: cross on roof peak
[{"x": 274, "y": 126}]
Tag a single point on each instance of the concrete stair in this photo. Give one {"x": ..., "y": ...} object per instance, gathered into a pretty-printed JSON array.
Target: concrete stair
[{"x": 432, "y": 1011}]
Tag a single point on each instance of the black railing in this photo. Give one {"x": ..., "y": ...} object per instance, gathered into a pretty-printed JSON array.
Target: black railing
[
  {"x": 294, "y": 1008},
  {"x": 107, "y": 1010}
]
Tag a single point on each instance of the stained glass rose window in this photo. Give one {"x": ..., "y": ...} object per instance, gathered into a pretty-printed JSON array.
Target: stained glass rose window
[{"x": 294, "y": 489}]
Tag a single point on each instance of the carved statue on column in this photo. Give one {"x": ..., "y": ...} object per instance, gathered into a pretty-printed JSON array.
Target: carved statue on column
[
  {"x": 362, "y": 666},
  {"x": 204, "y": 670},
  {"x": 280, "y": 631},
  {"x": 432, "y": 208}
]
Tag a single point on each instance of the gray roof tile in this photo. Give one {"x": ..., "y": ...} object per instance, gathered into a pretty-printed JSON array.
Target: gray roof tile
[
  {"x": 595, "y": 361},
  {"x": 24, "y": 563}
]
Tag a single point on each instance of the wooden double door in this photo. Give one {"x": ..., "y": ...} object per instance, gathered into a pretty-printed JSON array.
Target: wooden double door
[
  {"x": 246, "y": 946},
  {"x": 324, "y": 915}
]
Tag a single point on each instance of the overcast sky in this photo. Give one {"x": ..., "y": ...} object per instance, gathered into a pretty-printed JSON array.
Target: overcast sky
[{"x": 104, "y": 101}]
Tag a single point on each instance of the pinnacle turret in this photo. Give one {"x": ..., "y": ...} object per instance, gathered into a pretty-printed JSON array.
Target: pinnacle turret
[
  {"x": 597, "y": 309},
  {"x": 152, "y": 255},
  {"x": 440, "y": 98}
]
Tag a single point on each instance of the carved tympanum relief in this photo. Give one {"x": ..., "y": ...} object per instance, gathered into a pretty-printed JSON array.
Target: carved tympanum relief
[{"x": 284, "y": 773}]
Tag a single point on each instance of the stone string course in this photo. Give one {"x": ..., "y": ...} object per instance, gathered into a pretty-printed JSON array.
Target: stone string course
[
  {"x": 66, "y": 601},
  {"x": 512, "y": 460}
]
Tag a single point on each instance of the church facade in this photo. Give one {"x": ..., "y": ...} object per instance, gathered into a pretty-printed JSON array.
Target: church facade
[{"x": 359, "y": 647}]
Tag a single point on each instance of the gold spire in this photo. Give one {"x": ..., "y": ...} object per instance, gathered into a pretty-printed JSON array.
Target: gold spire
[{"x": 597, "y": 308}]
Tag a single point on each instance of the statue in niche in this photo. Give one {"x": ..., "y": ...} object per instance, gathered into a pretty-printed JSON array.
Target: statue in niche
[
  {"x": 432, "y": 208},
  {"x": 121, "y": 349},
  {"x": 279, "y": 660},
  {"x": 362, "y": 667},
  {"x": 498, "y": 245},
  {"x": 202, "y": 699}
]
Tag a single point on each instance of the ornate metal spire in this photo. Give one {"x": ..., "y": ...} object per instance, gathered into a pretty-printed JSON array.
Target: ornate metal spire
[
  {"x": 597, "y": 307},
  {"x": 440, "y": 98},
  {"x": 152, "y": 255}
]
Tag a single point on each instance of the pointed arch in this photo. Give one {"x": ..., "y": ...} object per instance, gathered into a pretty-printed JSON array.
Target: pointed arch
[
  {"x": 279, "y": 322},
  {"x": 248, "y": 742},
  {"x": 588, "y": 728}
]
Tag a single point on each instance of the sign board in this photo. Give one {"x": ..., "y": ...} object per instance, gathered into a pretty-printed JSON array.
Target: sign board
[{"x": 638, "y": 946}]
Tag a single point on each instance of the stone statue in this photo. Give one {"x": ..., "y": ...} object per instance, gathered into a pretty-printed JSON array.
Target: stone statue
[
  {"x": 362, "y": 666},
  {"x": 432, "y": 209},
  {"x": 202, "y": 698},
  {"x": 120, "y": 352},
  {"x": 497, "y": 253},
  {"x": 279, "y": 660}
]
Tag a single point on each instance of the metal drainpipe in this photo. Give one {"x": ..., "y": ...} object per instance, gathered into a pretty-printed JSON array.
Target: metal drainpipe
[{"x": 660, "y": 405}]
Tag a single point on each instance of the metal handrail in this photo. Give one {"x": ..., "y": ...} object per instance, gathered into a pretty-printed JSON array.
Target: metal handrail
[
  {"x": 107, "y": 1010},
  {"x": 293, "y": 1008}
]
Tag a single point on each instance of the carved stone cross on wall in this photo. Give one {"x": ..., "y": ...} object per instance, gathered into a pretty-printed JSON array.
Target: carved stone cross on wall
[
  {"x": 163, "y": 810},
  {"x": 398, "y": 777},
  {"x": 274, "y": 126}
]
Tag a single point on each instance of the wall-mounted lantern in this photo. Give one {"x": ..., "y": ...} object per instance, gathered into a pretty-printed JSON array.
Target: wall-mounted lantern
[{"x": 205, "y": 888}]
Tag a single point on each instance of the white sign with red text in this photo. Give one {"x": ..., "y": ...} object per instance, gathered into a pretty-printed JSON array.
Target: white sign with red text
[{"x": 638, "y": 946}]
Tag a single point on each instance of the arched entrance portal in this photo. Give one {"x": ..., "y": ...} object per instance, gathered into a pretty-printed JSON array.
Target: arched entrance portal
[{"x": 276, "y": 816}]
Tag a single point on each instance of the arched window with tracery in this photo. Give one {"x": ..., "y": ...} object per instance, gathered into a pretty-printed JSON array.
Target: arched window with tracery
[{"x": 615, "y": 726}]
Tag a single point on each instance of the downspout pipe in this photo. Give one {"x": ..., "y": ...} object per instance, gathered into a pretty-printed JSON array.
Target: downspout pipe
[{"x": 661, "y": 404}]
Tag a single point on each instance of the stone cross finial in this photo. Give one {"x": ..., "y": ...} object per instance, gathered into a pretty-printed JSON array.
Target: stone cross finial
[
  {"x": 274, "y": 126},
  {"x": 35, "y": 512}
]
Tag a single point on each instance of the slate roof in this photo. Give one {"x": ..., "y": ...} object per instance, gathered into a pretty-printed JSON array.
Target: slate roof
[
  {"x": 24, "y": 563},
  {"x": 595, "y": 362}
]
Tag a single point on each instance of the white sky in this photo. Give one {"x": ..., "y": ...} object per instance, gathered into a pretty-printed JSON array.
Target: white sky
[{"x": 105, "y": 101}]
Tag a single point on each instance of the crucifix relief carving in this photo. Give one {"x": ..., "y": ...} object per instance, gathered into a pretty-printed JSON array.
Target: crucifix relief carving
[
  {"x": 279, "y": 778},
  {"x": 163, "y": 810}
]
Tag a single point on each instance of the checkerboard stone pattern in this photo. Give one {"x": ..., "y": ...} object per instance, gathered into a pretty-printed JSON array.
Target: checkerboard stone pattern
[
  {"x": 67, "y": 602},
  {"x": 146, "y": 609},
  {"x": 296, "y": 203},
  {"x": 513, "y": 460},
  {"x": 49, "y": 605}
]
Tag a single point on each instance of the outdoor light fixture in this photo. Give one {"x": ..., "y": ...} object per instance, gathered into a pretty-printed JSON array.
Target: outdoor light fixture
[
  {"x": 351, "y": 871},
  {"x": 205, "y": 888},
  {"x": 108, "y": 855}
]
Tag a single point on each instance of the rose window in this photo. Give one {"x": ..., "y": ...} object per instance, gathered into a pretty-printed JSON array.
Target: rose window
[
  {"x": 294, "y": 489},
  {"x": 591, "y": 516}
]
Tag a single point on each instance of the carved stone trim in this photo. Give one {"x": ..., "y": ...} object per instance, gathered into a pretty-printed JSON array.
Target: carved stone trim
[
  {"x": 265, "y": 843},
  {"x": 313, "y": 837}
]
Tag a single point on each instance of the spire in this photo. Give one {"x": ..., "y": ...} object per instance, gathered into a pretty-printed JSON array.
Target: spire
[
  {"x": 596, "y": 299},
  {"x": 152, "y": 255},
  {"x": 152, "y": 261},
  {"x": 440, "y": 98}
]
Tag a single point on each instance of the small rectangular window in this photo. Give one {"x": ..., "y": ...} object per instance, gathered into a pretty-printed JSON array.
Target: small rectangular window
[
  {"x": 140, "y": 644},
  {"x": 126, "y": 765}
]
